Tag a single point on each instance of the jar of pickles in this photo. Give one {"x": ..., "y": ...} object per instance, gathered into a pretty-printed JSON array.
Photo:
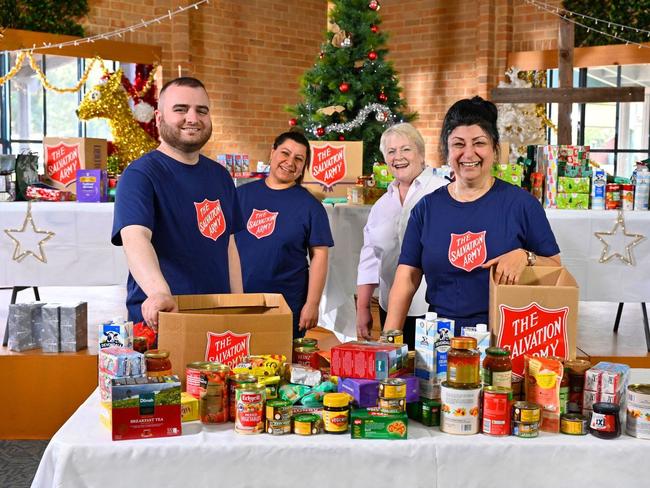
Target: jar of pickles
[
  {"x": 497, "y": 367},
  {"x": 158, "y": 363},
  {"x": 463, "y": 361}
]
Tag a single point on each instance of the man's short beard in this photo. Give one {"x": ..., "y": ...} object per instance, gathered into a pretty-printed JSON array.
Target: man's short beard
[{"x": 168, "y": 135}]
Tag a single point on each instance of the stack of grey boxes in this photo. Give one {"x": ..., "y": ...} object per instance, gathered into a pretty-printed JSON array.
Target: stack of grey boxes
[{"x": 51, "y": 326}]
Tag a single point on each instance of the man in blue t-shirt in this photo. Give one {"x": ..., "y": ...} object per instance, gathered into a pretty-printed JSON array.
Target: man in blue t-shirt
[{"x": 176, "y": 211}]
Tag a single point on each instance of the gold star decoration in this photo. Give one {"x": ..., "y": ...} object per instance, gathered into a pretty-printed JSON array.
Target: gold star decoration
[
  {"x": 28, "y": 230},
  {"x": 627, "y": 257}
]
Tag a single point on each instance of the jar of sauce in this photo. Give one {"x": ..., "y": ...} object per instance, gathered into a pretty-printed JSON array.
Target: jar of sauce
[
  {"x": 158, "y": 363},
  {"x": 575, "y": 370},
  {"x": 336, "y": 413},
  {"x": 497, "y": 367},
  {"x": 463, "y": 360},
  {"x": 605, "y": 422}
]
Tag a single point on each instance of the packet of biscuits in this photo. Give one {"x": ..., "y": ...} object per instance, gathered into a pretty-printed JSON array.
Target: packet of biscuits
[{"x": 542, "y": 384}]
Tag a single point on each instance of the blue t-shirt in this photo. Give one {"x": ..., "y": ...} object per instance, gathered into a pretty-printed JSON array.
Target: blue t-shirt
[
  {"x": 450, "y": 240},
  {"x": 191, "y": 211},
  {"x": 281, "y": 226}
]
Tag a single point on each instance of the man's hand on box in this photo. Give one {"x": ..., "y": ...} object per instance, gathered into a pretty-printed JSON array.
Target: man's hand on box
[
  {"x": 509, "y": 266},
  {"x": 158, "y": 302},
  {"x": 308, "y": 316}
]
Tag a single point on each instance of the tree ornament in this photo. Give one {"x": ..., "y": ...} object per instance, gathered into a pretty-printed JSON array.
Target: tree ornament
[
  {"x": 143, "y": 112},
  {"x": 374, "y": 29},
  {"x": 374, "y": 5},
  {"x": 293, "y": 122},
  {"x": 22, "y": 251},
  {"x": 344, "y": 87},
  {"x": 382, "y": 97},
  {"x": 321, "y": 55},
  {"x": 372, "y": 55},
  {"x": 347, "y": 42},
  {"x": 382, "y": 117},
  {"x": 341, "y": 137},
  {"x": 320, "y": 131},
  {"x": 332, "y": 109}
]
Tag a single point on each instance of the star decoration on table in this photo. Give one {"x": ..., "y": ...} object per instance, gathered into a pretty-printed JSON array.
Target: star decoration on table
[
  {"x": 627, "y": 256},
  {"x": 29, "y": 227}
]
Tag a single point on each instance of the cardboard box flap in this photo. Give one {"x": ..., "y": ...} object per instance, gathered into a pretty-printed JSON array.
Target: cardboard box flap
[
  {"x": 237, "y": 303},
  {"x": 542, "y": 276}
]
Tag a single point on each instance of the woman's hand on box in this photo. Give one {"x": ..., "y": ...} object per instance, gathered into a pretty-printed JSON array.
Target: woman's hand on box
[
  {"x": 158, "y": 302},
  {"x": 509, "y": 266},
  {"x": 364, "y": 323},
  {"x": 308, "y": 316}
]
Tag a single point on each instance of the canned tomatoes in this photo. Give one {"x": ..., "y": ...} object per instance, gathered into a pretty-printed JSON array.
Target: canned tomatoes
[
  {"x": 460, "y": 409},
  {"x": 497, "y": 403},
  {"x": 193, "y": 377},
  {"x": 213, "y": 400},
  {"x": 249, "y": 418}
]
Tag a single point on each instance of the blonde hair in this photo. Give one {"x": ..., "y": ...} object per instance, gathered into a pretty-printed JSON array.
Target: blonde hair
[{"x": 404, "y": 129}]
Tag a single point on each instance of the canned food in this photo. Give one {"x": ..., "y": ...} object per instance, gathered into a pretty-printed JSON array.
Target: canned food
[
  {"x": 460, "y": 409},
  {"x": 249, "y": 418},
  {"x": 496, "y": 410},
  {"x": 526, "y": 412},
  {"x": 393, "y": 336},
  {"x": 517, "y": 385},
  {"x": 305, "y": 356},
  {"x": 392, "y": 388},
  {"x": 193, "y": 377},
  {"x": 392, "y": 405},
  {"x": 213, "y": 399},
  {"x": 431, "y": 412},
  {"x": 306, "y": 424},
  {"x": 278, "y": 410},
  {"x": 612, "y": 196},
  {"x": 278, "y": 427},
  {"x": 627, "y": 197},
  {"x": 574, "y": 424},
  {"x": 637, "y": 423},
  {"x": 235, "y": 380},
  {"x": 525, "y": 429}
]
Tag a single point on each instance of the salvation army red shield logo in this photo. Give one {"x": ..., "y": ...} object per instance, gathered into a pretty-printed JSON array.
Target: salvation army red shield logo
[
  {"x": 227, "y": 348},
  {"x": 533, "y": 330},
  {"x": 210, "y": 218},
  {"x": 467, "y": 251},
  {"x": 261, "y": 223},
  {"x": 328, "y": 164},
  {"x": 62, "y": 162}
]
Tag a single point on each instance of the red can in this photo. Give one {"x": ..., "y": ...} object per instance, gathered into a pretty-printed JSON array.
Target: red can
[
  {"x": 306, "y": 356},
  {"x": 497, "y": 405},
  {"x": 612, "y": 196},
  {"x": 234, "y": 381}
]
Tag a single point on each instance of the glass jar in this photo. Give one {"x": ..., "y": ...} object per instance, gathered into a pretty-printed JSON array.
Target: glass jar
[
  {"x": 497, "y": 367},
  {"x": 605, "y": 422},
  {"x": 575, "y": 370},
  {"x": 140, "y": 344},
  {"x": 463, "y": 361},
  {"x": 336, "y": 413},
  {"x": 158, "y": 363}
]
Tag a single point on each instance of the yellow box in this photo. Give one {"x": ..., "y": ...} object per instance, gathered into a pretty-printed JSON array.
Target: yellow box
[{"x": 189, "y": 407}]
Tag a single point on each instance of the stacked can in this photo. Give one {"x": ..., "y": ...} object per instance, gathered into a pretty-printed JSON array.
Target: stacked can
[
  {"x": 612, "y": 196},
  {"x": 497, "y": 408},
  {"x": 392, "y": 336},
  {"x": 303, "y": 349},
  {"x": 213, "y": 399},
  {"x": 278, "y": 417},
  {"x": 249, "y": 417},
  {"x": 525, "y": 419},
  {"x": 193, "y": 377},
  {"x": 392, "y": 395},
  {"x": 234, "y": 380},
  {"x": 638, "y": 411},
  {"x": 627, "y": 197}
]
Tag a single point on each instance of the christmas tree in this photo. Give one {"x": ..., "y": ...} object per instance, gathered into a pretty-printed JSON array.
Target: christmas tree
[{"x": 352, "y": 92}]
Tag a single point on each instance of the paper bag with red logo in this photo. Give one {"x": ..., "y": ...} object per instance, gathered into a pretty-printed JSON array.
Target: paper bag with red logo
[
  {"x": 225, "y": 328},
  {"x": 538, "y": 317},
  {"x": 334, "y": 167},
  {"x": 64, "y": 156}
]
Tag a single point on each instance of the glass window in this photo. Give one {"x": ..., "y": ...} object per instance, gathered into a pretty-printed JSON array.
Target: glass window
[
  {"x": 26, "y": 102},
  {"x": 61, "y": 119},
  {"x": 600, "y": 125}
]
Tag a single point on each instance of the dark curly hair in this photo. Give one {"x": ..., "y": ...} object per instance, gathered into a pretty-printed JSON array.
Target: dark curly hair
[{"x": 298, "y": 138}]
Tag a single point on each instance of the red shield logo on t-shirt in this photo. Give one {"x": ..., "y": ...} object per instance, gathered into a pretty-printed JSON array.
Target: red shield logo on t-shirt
[
  {"x": 227, "y": 348},
  {"x": 62, "y": 162},
  {"x": 328, "y": 164},
  {"x": 210, "y": 219},
  {"x": 467, "y": 251},
  {"x": 533, "y": 330},
  {"x": 261, "y": 223}
]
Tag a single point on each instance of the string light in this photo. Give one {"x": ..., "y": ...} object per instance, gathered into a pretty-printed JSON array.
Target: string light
[
  {"x": 116, "y": 33},
  {"x": 552, "y": 10}
]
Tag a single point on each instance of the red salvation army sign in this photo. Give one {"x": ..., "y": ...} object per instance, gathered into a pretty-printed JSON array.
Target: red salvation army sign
[
  {"x": 210, "y": 218},
  {"x": 467, "y": 251},
  {"x": 227, "y": 348},
  {"x": 533, "y": 330},
  {"x": 62, "y": 162},
  {"x": 328, "y": 164},
  {"x": 261, "y": 223}
]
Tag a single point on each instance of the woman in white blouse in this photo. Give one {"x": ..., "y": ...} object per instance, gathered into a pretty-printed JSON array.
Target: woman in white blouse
[{"x": 403, "y": 150}]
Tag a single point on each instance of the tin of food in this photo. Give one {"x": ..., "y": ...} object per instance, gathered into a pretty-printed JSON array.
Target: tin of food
[
  {"x": 278, "y": 410},
  {"x": 638, "y": 411},
  {"x": 496, "y": 410},
  {"x": 249, "y": 418},
  {"x": 306, "y": 424},
  {"x": 392, "y": 405},
  {"x": 278, "y": 427},
  {"x": 526, "y": 430},
  {"x": 460, "y": 409},
  {"x": 392, "y": 388},
  {"x": 392, "y": 336},
  {"x": 235, "y": 380},
  {"x": 526, "y": 412},
  {"x": 193, "y": 377},
  {"x": 574, "y": 424}
]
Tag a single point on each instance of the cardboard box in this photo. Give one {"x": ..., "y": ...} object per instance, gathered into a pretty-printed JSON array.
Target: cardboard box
[
  {"x": 539, "y": 316},
  {"x": 92, "y": 185},
  {"x": 64, "y": 156},
  {"x": 225, "y": 328},
  {"x": 373, "y": 424},
  {"x": 369, "y": 360},
  {"x": 566, "y": 184},
  {"x": 574, "y": 201},
  {"x": 334, "y": 167}
]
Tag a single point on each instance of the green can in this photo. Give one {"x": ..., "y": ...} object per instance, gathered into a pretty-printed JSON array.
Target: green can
[{"x": 430, "y": 413}]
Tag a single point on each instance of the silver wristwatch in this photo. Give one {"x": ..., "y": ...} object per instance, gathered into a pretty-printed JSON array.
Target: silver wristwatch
[{"x": 531, "y": 258}]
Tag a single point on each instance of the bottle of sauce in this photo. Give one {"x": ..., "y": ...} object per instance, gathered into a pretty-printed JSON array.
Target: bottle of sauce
[
  {"x": 463, "y": 363},
  {"x": 497, "y": 367}
]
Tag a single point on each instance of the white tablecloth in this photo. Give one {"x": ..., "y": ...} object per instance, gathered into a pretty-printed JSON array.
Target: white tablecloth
[{"x": 81, "y": 454}]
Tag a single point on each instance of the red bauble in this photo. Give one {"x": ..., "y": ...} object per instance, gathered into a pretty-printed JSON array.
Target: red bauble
[
  {"x": 374, "y": 5},
  {"x": 344, "y": 87},
  {"x": 382, "y": 97},
  {"x": 320, "y": 132},
  {"x": 374, "y": 29},
  {"x": 341, "y": 137},
  {"x": 321, "y": 55},
  {"x": 372, "y": 55},
  {"x": 292, "y": 122}
]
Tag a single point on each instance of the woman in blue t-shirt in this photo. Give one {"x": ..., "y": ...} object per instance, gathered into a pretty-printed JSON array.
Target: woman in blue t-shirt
[
  {"x": 284, "y": 225},
  {"x": 458, "y": 232}
]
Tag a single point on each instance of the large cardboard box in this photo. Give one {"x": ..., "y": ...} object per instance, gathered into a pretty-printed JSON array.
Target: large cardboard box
[
  {"x": 225, "y": 328},
  {"x": 64, "y": 156},
  {"x": 333, "y": 168},
  {"x": 539, "y": 316}
]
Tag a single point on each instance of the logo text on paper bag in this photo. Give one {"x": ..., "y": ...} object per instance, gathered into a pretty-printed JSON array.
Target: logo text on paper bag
[
  {"x": 533, "y": 330},
  {"x": 467, "y": 251},
  {"x": 328, "y": 164},
  {"x": 227, "y": 347},
  {"x": 210, "y": 218},
  {"x": 62, "y": 162},
  {"x": 261, "y": 223}
]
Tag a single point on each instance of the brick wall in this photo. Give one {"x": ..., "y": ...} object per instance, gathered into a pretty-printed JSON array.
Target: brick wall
[{"x": 251, "y": 53}]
